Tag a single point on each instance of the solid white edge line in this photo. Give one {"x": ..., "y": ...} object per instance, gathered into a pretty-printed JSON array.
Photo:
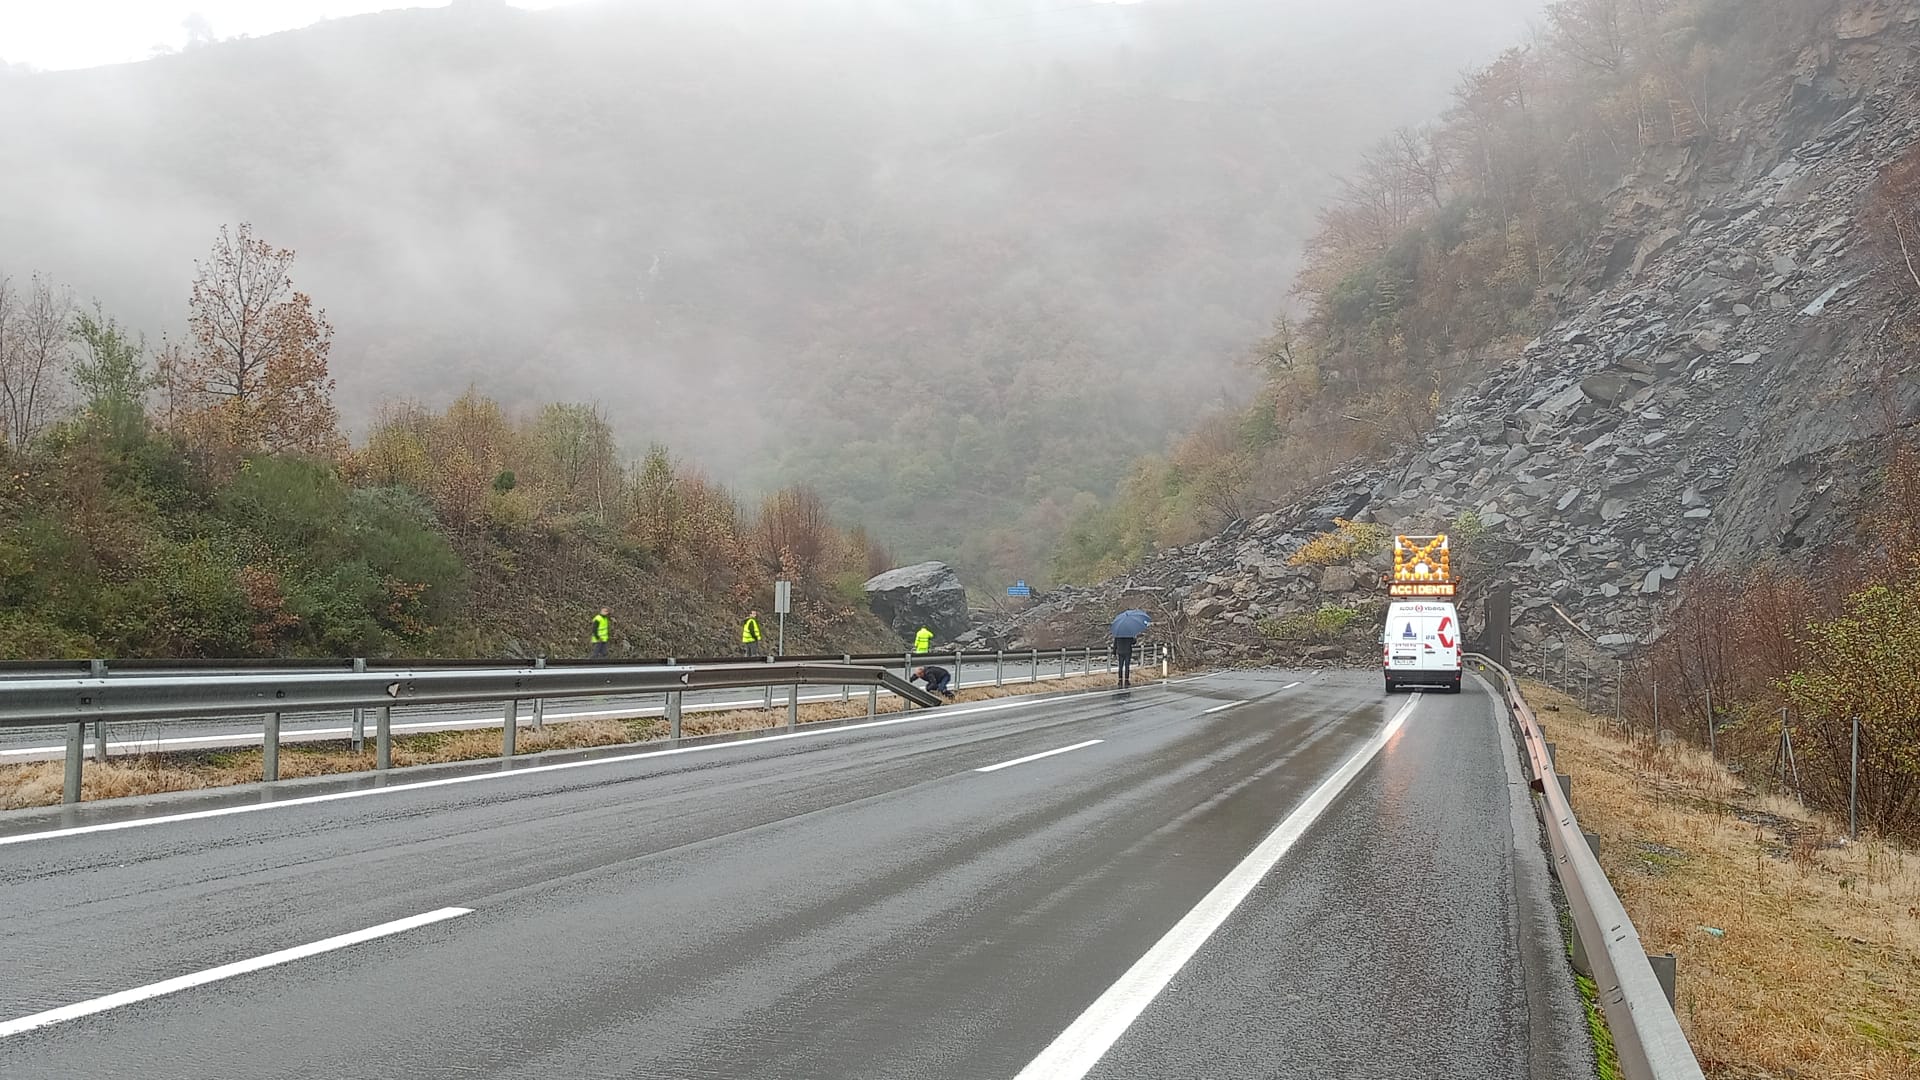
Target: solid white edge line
[
  {"x": 1081, "y": 1046},
  {"x": 361, "y": 793},
  {"x": 247, "y": 738},
  {"x": 1038, "y": 756},
  {"x": 224, "y": 971}
]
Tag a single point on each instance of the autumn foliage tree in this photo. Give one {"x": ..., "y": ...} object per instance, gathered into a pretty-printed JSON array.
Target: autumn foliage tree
[{"x": 252, "y": 375}]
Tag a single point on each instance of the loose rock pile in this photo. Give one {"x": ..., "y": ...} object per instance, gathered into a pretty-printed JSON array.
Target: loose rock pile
[{"x": 1719, "y": 397}]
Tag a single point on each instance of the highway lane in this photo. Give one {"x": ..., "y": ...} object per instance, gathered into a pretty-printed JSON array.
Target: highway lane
[
  {"x": 47, "y": 743},
  {"x": 864, "y": 903}
]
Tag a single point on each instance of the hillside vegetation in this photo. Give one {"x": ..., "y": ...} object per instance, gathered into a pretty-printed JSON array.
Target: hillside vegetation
[
  {"x": 1449, "y": 247},
  {"x": 197, "y": 499},
  {"x": 934, "y": 257}
]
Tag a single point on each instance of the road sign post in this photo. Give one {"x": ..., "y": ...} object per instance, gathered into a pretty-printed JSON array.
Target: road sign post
[{"x": 782, "y": 603}]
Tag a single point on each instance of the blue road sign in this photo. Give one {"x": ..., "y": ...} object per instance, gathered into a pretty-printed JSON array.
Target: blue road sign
[{"x": 1019, "y": 588}]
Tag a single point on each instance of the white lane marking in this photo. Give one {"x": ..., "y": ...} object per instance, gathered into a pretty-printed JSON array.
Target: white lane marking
[
  {"x": 361, "y": 793},
  {"x": 1237, "y": 704},
  {"x": 225, "y": 971},
  {"x": 1088, "y": 1038},
  {"x": 1038, "y": 756},
  {"x": 245, "y": 738}
]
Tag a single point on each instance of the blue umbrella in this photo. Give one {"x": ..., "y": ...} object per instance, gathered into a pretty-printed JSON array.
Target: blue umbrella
[{"x": 1130, "y": 623}]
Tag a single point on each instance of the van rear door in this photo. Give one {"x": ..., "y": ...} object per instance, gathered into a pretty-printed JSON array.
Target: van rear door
[{"x": 1421, "y": 637}]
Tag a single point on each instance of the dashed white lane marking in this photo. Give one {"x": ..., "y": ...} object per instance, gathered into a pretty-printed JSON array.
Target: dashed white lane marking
[
  {"x": 224, "y": 971},
  {"x": 1041, "y": 754}
]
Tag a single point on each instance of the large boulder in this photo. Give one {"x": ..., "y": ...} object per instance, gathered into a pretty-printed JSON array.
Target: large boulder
[{"x": 929, "y": 595}]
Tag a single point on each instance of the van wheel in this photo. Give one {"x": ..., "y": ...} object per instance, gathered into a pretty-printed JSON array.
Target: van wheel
[{"x": 1391, "y": 688}]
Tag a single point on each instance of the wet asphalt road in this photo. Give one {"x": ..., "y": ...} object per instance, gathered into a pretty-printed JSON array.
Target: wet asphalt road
[
  {"x": 859, "y": 904},
  {"x": 47, "y": 743}
]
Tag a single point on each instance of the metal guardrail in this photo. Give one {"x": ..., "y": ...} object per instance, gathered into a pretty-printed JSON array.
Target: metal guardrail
[
  {"x": 111, "y": 668},
  {"x": 1638, "y": 1006},
  {"x": 149, "y": 691},
  {"x": 29, "y": 702}
]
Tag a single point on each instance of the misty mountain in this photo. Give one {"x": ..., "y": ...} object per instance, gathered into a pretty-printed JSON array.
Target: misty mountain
[{"x": 944, "y": 260}]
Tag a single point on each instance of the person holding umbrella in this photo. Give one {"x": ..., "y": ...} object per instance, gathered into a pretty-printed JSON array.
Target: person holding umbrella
[{"x": 1126, "y": 629}]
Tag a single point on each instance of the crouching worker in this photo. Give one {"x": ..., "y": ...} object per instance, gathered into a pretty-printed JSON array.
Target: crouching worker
[{"x": 938, "y": 679}]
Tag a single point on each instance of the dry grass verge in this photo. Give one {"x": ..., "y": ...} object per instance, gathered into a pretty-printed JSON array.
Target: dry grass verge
[
  {"x": 1799, "y": 951},
  {"x": 39, "y": 783}
]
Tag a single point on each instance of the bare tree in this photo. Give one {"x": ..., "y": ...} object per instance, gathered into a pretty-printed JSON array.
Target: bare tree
[
  {"x": 795, "y": 531},
  {"x": 1892, "y": 216},
  {"x": 1415, "y": 156},
  {"x": 255, "y": 375},
  {"x": 1590, "y": 32},
  {"x": 34, "y": 342}
]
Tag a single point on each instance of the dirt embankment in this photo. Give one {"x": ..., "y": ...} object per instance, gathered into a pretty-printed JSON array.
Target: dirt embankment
[{"x": 1799, "y": 949}]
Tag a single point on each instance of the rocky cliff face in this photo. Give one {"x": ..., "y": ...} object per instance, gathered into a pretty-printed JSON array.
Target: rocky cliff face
[{"x": 1721, "y": 389}]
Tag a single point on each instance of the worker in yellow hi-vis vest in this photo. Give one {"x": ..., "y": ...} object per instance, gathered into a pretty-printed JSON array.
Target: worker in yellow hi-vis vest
[
  {"x": 602, "y": 633},
  {"x": 750, "y": 635},
  {"x": 923, "y": 641}
]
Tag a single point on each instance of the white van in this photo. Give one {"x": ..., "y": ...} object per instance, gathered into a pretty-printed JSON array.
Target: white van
[{"x": 1420, "y": 645}]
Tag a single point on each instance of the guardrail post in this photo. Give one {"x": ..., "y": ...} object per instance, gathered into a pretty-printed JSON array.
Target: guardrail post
[
  {"x": 1666, "y": 968},
  {"x": 1553, "y": 754},
  {"x": 76, "y": 757},
  {"x": 1033, "y": 667},
  {"x": 383, "y": 738},
  {"x": 98, "y": 668},
  {"x": 673, "y": 715},
  {"x": 1581, "y": 963},
  {"x": 270, "y": 749},
  {"x": 540, "y": 704},
  {"x": 1566, "y": 785},
  {"x": 1593, "y": 842},
  {"x": 846, "y": 690},
  {"x": 359, "y": 715},
  {"x": 873, "y": 702},
  {"x": 906, "y": 667},
  {"x": 999, "y": 669},
  {"x": 793, "y": 706},
  {"x": 510, "y": 731},
  {"x": 768, "y": 703}
]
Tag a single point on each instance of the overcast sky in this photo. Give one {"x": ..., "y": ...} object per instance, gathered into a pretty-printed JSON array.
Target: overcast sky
[{"x": 57, "y": 34}]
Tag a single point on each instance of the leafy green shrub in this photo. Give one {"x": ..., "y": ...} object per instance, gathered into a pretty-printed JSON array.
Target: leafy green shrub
[
  {"x": 1310, "y": 627},
  {"x": 1865, "y": 664}
]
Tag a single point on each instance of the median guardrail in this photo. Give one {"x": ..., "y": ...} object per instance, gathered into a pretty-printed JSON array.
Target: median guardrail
[
  {"x": 1639, "y": 1011},
  {"x": 149, "y": 691}
]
